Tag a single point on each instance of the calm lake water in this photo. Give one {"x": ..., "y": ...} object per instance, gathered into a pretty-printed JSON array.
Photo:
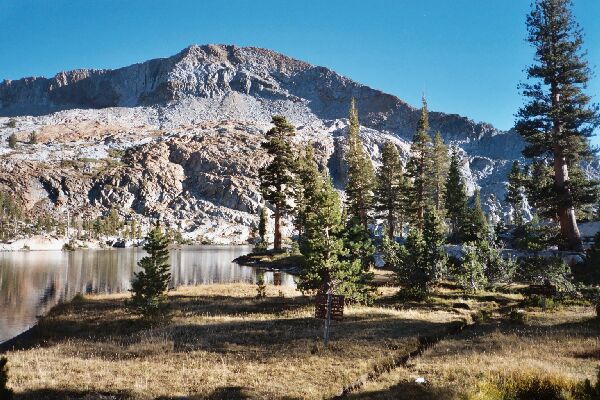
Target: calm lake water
[{"x": 33, "y": 282}]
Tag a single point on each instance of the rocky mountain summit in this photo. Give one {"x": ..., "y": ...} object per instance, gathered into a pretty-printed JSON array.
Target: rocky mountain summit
[{"x": 178, "y": 138}]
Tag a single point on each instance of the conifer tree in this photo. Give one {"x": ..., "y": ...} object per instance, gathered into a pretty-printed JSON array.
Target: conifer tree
[
  {"x": 456, "y": 196},
  {"x": 439, "y": 171},
  {"x": 389, "y": 188},
  {"x": 326, "y": 262},
  {"x": 308, "y": 183},
  {"x": 277, "y": 177},
  {"x": 418, "y": 169},
  {"x": 358, "y": 243},
  {"x": 434, "y": 237},
  {"x": 475, "y": 228},
  {"x": 12, "y": 141},
  {"x": 361, "y": 178},
  {"x": 558, "y": 118},
  {"x": 412, "y": 271},
  {"x": 33, "y": 139},
  {"x": 262, "y": 226},
  {"x": 515, "y": 193},
  {"x": 149, "y": 286}
]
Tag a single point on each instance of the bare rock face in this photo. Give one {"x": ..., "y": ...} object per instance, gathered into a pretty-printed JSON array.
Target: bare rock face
[{"x": 178, "y": 138}]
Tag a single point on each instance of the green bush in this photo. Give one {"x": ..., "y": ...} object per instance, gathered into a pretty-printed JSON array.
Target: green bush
[{"x": 551, "y": 270}]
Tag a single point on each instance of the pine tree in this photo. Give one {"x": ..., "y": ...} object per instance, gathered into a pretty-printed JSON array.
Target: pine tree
[
  {"x": 412, "y": 271},
  {"x": 149, "y": 286},
  {"x": 456, "y": 196},
  {"x": 277, "y": 177},
  {"x": 434, "y": 237},
  {"x": 262, "y": 226},
  {"x": 358, "y": 243},
  {"x": 558, "y": 119},
  {"x": 515, "y": 193},
  {"x": 308, "y": 183},
  {"x": 439, "y": 172},
  {"x": 389, "y": 188},
  {"x": 33, "y": 139},
  {"x": 12, "y": 141},
  {"x": 361, "y": 178},
  {"x": 418, "y": 169},
  {"x": 325, "y": 252},
  {"x": 470, "y": 274},
  {"x": 475, "y": 228}
]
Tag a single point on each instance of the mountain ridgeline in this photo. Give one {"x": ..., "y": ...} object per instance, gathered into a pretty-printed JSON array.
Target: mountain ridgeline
[{"x": 174, "y": 116}]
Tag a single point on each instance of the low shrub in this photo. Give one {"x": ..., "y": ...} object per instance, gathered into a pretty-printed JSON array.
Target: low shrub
[
  {"x": 551, "y": 271},
  {"x": 524, "y": 385}
]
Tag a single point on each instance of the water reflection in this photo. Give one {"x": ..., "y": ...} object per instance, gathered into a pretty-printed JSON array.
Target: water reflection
[{"x": 33, "y": 282}]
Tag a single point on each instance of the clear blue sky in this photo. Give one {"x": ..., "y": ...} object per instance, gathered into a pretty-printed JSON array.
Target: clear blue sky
[{"x": 466, "y": 55}]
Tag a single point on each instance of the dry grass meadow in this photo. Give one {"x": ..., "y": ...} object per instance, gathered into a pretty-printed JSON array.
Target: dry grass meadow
[{"x": 223, "y": 343}]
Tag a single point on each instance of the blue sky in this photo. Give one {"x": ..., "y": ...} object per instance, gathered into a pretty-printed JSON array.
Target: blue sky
[{"x": 466, "y": 55}]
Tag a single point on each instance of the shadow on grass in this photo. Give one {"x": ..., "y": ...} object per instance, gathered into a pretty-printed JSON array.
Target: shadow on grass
[
  {"x": 225, "y": 393},
  {"x": 109, "y": 332},
  {"x": 408, "y": 391},
  {"x": 58, "y": 394}
]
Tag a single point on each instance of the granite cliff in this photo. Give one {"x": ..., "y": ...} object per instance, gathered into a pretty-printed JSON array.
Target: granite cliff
[{"x": 178, "y": 138}]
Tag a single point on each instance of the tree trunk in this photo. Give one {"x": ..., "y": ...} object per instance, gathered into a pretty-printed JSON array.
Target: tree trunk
[
  {"x": 391, "y": 226},
  {"x": 566, "y": 212},
  {"x": 277, "y": 233}
]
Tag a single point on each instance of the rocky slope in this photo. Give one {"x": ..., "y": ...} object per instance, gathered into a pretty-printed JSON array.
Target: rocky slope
[{"x": 179, "y": 138}]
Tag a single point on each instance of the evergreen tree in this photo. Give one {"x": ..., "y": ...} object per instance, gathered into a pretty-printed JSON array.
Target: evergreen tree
[
  {"x": 361, "y": 178},
  {"x": 412, "y": 271},
  {"x": 558, "y": 118},
  {"x": 470, "y": 274},
  {"x": 308, "y": 183},
  {"x": 515, "y": 193},
  {"x": 5, "y": 392},
  {"x": 33, "y": 139},
  {"x": 326, "y": 262},
  {"x": 389, "y": 188},
  {"x": 456, "y": 196},
  {"x": 277, "y": 177},
  {"x": 418, "y": 169},
  {"x": 434, "y": 237},
  {"x": 439, "y": 172},
  {"x": 475, "y": 228},
  {"x": 262, "y": 226},
  {"x": 149, "y": 286},
  {"x": 358, "y": 243},
  {"x": 12, "y": 141}
]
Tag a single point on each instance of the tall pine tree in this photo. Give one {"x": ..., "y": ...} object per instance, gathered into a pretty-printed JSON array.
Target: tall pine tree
[
  {"x": 389, "y": 190},
  {"x": 361, "y": 178},
  {"x": 475, "y": 227},
  {"x": 327, "y": 263},
  {"x": 515, "y": 193},
  {"x": 308, "y": 183},
  {"x": 418, "y": 169},
  {"x": 456, "y": 196},
  {"x": 558, "y": 118},
  {"x": 439, "y": 172},
  {"x": 277, "y": 177}
]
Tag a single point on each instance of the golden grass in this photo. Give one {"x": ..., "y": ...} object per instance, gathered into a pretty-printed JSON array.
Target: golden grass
[
  {"x": 560, "y": 347},
  {"x": 220, "y": 343}
]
